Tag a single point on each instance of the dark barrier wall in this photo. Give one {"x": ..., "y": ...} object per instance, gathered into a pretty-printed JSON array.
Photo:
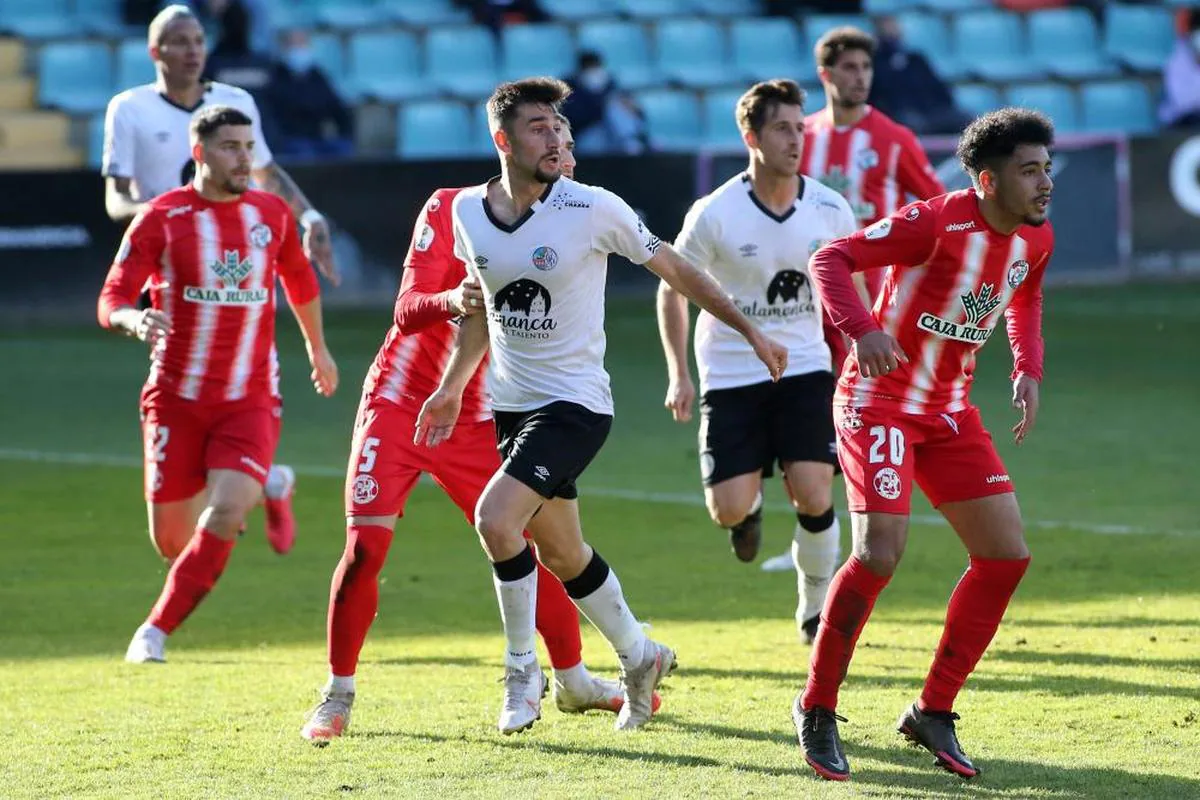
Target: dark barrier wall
[{"x": 1166, "y": 194}]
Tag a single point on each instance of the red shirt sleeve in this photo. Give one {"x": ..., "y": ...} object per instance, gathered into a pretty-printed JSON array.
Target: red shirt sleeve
[
  {"x": 1023, "y": 322},
  {"x": 431, "y": 270},
  {"x": 295, "y": 272},
  {"x": 904, "y": 239},
  {"x": 916, "y": 175},
  {"x": 136, "y": 260}
]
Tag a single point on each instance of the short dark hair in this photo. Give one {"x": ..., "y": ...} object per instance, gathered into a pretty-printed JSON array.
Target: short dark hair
[
  {"x": 756, "y": 104},
  {"x": 209, "y": 119},
  {"x": 996, "y": 135},
  {"x": 829, "y": 48},
  {"x": 508, "y": 97}
]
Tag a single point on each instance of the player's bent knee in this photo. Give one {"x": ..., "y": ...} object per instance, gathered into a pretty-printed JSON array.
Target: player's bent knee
[
  {"x": 727, "y": 517},
  {"x": 813, "y": 501}
]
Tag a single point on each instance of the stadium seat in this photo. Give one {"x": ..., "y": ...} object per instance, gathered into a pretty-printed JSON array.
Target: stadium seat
[
  {"x": 1055, "y": 100},
  {"x": 625, "y": 49},
  {"x": 462, "y": 60},
  {"x": 134, "y": 66},
  {"x": 1064, "y": 42},
  {"x": 1117, "y": 106},
  {"x": 950, "y": 6},
  {"x": 425, "y": 13},
  {"x": 991, "y": 44},
  {"x": 817, "y": 25},
  {"x": 930, "y": 35},
  {"x": 75, "y": 76},
  {"x": 692, "y": 52},
  {"x": 386, "y": 66},
  {"x": 654, "y": 9},
  {"x": 728, "y": 8},
  {"x": 36, "y": 19},
  {"x": 890, "y": 6},
  {"x": 349, "y": 14},
  {"x": 770, "y": 48},
  {"x": 330, "y": 56},
  {"x": 672, "y": 117},
  {"x": 95, "y": 151},
  {"x": 976, "y": 98},
  {"x": 100, "y": 16},
  {"x": 1140, "y": 36},
  {"x": 575, "y": 10},
  {"x": 433, "y": 129},
  {"x": 538, "y": 49},
  {"x": 720, "y": 126},
  {"x": 481, "y": 137}
]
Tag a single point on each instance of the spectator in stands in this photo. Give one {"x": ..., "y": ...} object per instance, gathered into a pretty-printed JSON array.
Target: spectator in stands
[
  {"x": 313, "y": 119},
  {"x": 907, "y": 89},
  {"x": 497, "y": 13},
  {"x": 603, "y": 118},
  {"x": 1181, "y": 78},
  {"x": 234, "y": 61}
]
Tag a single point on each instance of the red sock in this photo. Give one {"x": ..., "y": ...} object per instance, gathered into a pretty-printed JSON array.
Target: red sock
[
  {"x": 354, "y": 594},
  {"x": 557, "y": 621},
  {"x": 191, "y": 578},
  {"x": 852, "y": 594},
  {"x": 976, "y": 607}
]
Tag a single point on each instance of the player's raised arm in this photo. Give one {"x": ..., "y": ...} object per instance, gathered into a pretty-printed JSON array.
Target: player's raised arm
[
  {"x": 440, "y": 413},
  {"x": 1023, "y": 322},
  {"x": 430, "y": 266},
  {"x": 304, "y": 296},
  {"x": 136, "y": 261}
]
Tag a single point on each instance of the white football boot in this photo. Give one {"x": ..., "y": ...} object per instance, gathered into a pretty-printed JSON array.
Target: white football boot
[
  {"x": 147, "y": 646},
  {"x": 523, "y": 693}
]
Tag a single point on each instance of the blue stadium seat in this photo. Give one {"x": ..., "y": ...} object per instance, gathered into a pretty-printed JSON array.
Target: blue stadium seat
[
  {"x": 330, "y": 56},
  {"x": 539, "y": 49},
  {"x": 433, "y": 129},
  {"x": 1055, "y": 100},
  {"x": 349, "y": 14},
  {"x": 992, "y": 45},
  {"x": 36, "y": 19},
  {"x": 672, "y": 118},
  {"x": 75, "y": 76},
  {"x": 1064, "y": 42},
  {"x": 625, "y": 49},
  {"x": 425, "y": 13},
  {"x": 481, "y": 137},
  {"x": 462, "y": 60},
  {"x": 728, "y": 8},
  {"x": 890, "y": 6},
  {"x": 770, "y": 48},
  {"x": 817, "y": 25},
  {"x": 574, "y": 10},
  {"x": 693, "y": 52},
  {"x": 948, "y": 6},
  {"x": 134, "y": 66},
  {"x": 720, "y": 126},
  {"x": 100, "y": 16},
  {"x": 1140, "y": 36},
  {"x": 95, "y": 152},
  {"x": 386, "y": 66},
  {"x": 976, "y": 98},
  {"x": 654, "y": 9},
  {"x": 930, "y": 35},
  {"x": 1117, "y": 106}
]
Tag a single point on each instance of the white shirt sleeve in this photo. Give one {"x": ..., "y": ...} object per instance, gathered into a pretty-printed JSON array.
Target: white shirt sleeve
[
  {"x": 617, "y": 229},
  {"x": 695, "y": 240},
  {"x": 117, "y": 161}
]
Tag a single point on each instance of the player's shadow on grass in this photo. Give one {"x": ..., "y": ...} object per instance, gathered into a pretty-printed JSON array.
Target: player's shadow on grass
[
  {"x": 434, "y": 661},
  {"x": 1026, "y": 778}
]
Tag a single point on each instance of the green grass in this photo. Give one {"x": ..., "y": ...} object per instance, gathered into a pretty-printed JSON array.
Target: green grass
[{"x": 1090, "y": 690}]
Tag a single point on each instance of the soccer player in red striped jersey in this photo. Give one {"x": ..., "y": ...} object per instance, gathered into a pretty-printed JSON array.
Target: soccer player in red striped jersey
[
  {"x": 959, "y": 263},
  {"x": 385, "y": 464},
  {"x": 210, "y": 407}
]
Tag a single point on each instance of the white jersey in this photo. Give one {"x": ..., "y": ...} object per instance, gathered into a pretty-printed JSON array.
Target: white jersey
[
  {"x": 543, "y": 282},
  {"x": 146, "y": 136},
  {"x": 760, "y": 259}
]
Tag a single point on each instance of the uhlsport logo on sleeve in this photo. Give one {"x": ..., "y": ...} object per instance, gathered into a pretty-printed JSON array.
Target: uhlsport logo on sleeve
[
  {"x": 232, "y": 270},
  {"x": 977, "y": 306},
  {"x": 522, "y": 310}
]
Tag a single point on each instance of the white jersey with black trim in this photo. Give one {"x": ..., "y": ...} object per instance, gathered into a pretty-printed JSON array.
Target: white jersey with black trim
[
  {"x": 543, "y": 280},
  {"x": 146, "y": 136},
  {"x": 760, "y": 259}
]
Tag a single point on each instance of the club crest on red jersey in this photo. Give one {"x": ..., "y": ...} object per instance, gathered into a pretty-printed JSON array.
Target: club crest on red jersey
[
  {"x": 365, "y": 489},
  {"x": 260, "y": 236},
  {"x": 1017, "y": 272}
]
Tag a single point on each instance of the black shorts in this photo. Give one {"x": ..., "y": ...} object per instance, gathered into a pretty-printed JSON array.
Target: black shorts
[
  {"x": 548, "y": 448},
  {"x": 751, "y": 428}
]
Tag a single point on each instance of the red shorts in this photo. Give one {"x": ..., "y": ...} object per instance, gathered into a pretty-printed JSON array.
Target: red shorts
[
  {"x": 951, "y": 456},
  {"x": 183, "y": 440},
  {"x": 385, "y": 464}
]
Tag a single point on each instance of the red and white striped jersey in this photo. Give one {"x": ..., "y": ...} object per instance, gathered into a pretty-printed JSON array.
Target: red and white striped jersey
[
  {"x": 212, "y": 266},
  {"x": 952, "y": 278},
  {"x": 408, "y": 367}
]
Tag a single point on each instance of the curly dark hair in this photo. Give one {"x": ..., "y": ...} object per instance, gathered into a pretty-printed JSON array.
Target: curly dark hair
[
  {"x": 755, "y": 105},
  {"x": 829, "y": 48},
  {"x": 508, "y": 97},
  {"x": 996, "y": 135}
]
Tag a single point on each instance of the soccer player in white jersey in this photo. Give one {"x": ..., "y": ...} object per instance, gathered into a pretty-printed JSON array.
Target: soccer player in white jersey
[
  {"x": 538, "y": 245},
  {"x": 754, "y": 236},
  {"x": 147, "y": 152}
]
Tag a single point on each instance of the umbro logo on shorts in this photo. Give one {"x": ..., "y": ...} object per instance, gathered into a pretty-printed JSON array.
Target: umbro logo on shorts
[{"x": 541, "y": 472}]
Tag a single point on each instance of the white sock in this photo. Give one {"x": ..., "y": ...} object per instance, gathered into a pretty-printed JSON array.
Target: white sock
[
  {"x": 816, "y": 558},
  {"x": 152, "y": 632},
  {"x": 758, "y": 501},
  {"x": 518, "y": 609},
  {"x": 576, "y": 679},
  {"x": 340, "y": 683},
  {"x": 606, "y": 609},
  {"x": 279, "y": 479}
]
